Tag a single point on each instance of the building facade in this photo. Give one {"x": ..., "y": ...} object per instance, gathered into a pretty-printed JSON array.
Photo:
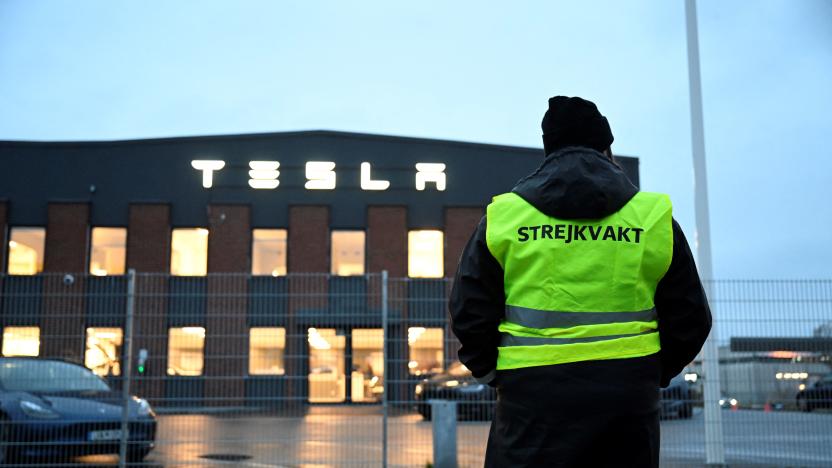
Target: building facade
[{"x": 258, "y": 258}]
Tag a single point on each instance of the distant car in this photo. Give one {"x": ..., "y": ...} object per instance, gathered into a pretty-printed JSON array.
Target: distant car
[
  {"x": 817, "y": 396},
  {"x": 726, "y": 402},
  {"x": 677, "y": 399},
  {"x": 53, "y": 409},
  {"x": 474, "y": 400}
]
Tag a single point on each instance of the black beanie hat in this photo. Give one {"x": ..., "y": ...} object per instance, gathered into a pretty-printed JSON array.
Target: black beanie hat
[{"x": 572, "y": 121}]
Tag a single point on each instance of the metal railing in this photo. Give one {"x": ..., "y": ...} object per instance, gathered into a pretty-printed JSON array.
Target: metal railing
[{"x": 314, "y": 369}]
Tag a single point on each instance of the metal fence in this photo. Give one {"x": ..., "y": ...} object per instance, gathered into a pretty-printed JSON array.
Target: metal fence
[{"x": 320, "y": 370}]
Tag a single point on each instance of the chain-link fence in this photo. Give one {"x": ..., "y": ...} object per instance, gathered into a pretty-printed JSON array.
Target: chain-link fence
[{"x": 321, "y": 370}]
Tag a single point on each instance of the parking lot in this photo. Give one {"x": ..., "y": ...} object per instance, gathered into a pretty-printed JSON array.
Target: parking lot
[{"x": 335, "y": 436}]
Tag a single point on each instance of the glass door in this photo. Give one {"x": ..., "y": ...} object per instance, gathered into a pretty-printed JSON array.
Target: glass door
[
  {"x": 367, "y": 377},
  {"x": 327, "y": 382}
]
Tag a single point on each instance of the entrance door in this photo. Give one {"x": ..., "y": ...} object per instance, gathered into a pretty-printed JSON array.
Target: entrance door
[
  {"x": 367, "y": 376},
  {"x": 327, "y": 382}
]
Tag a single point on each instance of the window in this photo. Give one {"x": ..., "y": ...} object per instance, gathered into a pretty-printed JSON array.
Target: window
[
  {"x": 266, "y": 346},
  {"x": 26, "y": 245},
  {"x": 424, "y": 254},
  {"x": 327, "y": 382},
  {"x": 21, "y": 341},
  {"x": 109, "y": 249},
  {"x": 367, "y": 376},
  {"x": 426, "y": 350},
  {"x": 347, "y": 253},
  {"x": 103, "y": 353},
  {"x": 189, "y": 252},
  {"x": 186, "y": 351},
  {"x": 268, "y": 252}
]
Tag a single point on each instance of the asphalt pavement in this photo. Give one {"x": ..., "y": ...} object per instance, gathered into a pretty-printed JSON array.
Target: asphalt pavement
[{"x": 351, "y": 436}]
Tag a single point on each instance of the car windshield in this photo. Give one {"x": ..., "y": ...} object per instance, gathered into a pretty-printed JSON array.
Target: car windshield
[{"x": 29, "y": 375}]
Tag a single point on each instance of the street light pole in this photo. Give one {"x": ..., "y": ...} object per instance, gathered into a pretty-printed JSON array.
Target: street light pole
[{"x": 714, "y": 442}]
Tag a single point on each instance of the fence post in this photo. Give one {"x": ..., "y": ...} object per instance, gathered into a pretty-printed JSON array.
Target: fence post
[
  {"x": 443, "y": 414},
  {"x": 127, "y": 367},
  {"x": 384, "y": 327}
]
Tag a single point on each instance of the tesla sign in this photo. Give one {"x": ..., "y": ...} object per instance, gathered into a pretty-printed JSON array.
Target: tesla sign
[{"x": 320, "y": 175}]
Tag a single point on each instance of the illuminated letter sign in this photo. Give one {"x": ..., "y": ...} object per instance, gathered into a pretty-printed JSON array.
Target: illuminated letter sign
[
  {"x": 320, "y": 175},
  {"x": 207, "y": 167},
  {"x": 263, "y": 174},
  {"x": 430, "y": 172},
  {"x": 367, "y": 182}
]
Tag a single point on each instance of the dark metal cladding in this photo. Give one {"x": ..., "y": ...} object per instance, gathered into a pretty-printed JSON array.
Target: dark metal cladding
[{"x": 124, "y": 172}]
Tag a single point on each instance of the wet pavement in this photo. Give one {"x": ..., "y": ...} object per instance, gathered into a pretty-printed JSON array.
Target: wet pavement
[{"x": 350, "y": 436}]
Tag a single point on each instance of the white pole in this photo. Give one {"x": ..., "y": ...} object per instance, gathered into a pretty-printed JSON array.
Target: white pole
[{"x": 714, "y": 442}]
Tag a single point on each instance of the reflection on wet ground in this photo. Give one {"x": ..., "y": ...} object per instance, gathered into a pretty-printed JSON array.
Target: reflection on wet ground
[{"x": 337, "y": 436}]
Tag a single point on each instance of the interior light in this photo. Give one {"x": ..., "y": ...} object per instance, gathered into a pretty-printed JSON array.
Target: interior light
[
  {"x": 801, "y": 386},
  {"x": 452, "y": 383},
  {"x": 194, "y": 331},
  {"x": 13, "y": 244}
]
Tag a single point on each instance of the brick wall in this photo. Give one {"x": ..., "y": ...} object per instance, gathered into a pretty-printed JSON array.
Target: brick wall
[
  {"x": 459, "y": 225},
  {"x": 63, "y": 314},
  {"x": 148, "y": 251},
  {"x": 226, "y": 341}
]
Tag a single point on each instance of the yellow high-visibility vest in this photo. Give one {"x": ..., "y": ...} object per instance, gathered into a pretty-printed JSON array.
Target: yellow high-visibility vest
[{"x": 579, "y": 290}]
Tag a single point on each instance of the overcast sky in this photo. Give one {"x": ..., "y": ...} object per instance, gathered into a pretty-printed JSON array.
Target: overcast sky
[{"x": 474, "y": 71}]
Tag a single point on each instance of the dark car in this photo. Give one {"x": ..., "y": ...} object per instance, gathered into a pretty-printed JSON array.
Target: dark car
[
  {"x": 474, "y": 400},
  {"x": 817, "y": 396},
  {"x": 677, "y": 399},
  {"x": 52, "y": 409}
]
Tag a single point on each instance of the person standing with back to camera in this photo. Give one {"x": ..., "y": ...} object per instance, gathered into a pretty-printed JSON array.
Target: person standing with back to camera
[{"x": 577, "y": 297}]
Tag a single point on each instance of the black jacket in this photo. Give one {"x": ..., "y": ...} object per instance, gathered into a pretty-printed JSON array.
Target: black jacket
[{"x": 557, "y": 415}]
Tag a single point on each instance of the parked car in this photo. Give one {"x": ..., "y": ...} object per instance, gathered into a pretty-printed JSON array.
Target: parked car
[
  {"x": 819, "y": 395},
  {"x": 474, "y": 400},
  {"x": 53, "y": 409},
  {"x": 677, "y": 399}
]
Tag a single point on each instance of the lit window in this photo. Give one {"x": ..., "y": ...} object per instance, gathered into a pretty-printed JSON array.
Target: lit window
[
  {"x": 103, "y": 354},
  {"x": 21, "y": 341},
  {"x": 327, "y": 382},
  {"x": 26, "y": 250},
  {"x": 424, "y": 254},
  {"x": 186, "y": 351},
  {"x": 109, "y": 249},
  {"x": 426, "y": 350},
  {"x": 189, "y": 252},
  {"x": 347, "y": 253},
  {"x": 367, "y": 376},
  {"x": 268, "y": 252},
  {"x": 266, "y": 345}
]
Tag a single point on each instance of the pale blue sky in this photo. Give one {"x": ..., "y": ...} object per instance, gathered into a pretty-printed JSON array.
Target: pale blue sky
[{"x": 474, "y": 71}]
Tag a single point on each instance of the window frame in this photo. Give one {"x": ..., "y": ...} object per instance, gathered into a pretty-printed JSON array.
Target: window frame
[
  {"x": 332, "y": 233},
  {"x": 285, "y": 255},
  {"x": 442, "y": 245},
  {"x": 283, "y": 357},
  {"x": 90, "y": 248},
  {"x": 168, "y": 352},
  {"x": 8, "y": 249},
  {"x": 207, "y": 249}
]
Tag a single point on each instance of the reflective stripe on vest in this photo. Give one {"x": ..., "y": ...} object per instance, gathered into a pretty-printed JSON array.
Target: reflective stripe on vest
[{"x": 579, "y": 290}]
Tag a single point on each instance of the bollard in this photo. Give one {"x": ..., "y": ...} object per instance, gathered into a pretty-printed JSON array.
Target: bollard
[{"x": 443, "y": 414}]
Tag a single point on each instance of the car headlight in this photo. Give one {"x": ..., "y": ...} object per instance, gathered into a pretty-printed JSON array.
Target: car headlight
[
  {"x": 35, "y": 410},
  {"x": 144, "y": 407}
]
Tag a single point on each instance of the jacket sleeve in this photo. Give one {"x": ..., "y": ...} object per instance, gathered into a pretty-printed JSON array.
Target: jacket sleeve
[
  {"x": 476, "y": 306},
  {"x": 684, "y": 314}
]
